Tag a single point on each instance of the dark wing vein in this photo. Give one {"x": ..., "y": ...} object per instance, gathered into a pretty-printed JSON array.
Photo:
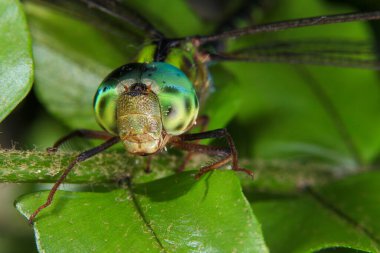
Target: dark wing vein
[
  {"x": 284, "y": 25},
  {"x": 120, "y": 11},
  {"x": 107, "y": 15},
  {"x": 340, "y": 53}
]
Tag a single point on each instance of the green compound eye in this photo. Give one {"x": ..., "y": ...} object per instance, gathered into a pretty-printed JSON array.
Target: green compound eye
[
  {"x": 106, "y": 96},
  {"x": 175, "y": 92}
]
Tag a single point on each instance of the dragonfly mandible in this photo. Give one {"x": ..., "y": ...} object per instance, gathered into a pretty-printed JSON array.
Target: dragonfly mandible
[{"x": 153, "y": 101}]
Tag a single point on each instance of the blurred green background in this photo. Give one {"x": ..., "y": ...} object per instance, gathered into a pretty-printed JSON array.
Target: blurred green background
[{"x": 273, "y": 111}]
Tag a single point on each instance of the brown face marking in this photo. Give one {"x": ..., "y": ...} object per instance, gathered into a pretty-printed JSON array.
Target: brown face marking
[{"x": 137, "y": 89}]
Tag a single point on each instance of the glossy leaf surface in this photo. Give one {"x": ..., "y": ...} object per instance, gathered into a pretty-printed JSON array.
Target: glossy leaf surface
[
  {"x": 174, "y": 214},
  {"x": 16, "y": 70}
]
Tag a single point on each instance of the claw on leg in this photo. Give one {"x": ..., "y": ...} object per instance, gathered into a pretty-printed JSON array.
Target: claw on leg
[{"x": 229, "y": 155}]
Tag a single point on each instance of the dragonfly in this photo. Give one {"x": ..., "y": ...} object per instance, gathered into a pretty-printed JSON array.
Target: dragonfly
[{"x": 153, "y": 101}]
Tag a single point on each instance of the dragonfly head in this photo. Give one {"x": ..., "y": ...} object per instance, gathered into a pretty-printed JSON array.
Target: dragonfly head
[{"x": 145, "y": 104}]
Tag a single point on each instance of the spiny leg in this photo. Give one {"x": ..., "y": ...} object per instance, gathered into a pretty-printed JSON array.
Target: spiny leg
[
  {"x": 202, "y": 121},
  {"x": 83, "y": 133},
  {"x": 205, "y": 149},
  {"x": 218, "y": 133},
  {"x": 80, "y": 158}
]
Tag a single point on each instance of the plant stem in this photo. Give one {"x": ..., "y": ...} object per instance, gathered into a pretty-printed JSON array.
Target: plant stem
[{"x": 41, "y": 167}]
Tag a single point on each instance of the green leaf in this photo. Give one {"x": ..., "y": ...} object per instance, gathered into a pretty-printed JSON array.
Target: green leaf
[
  {"x": 358, "y": 198},
  {"x": 72, "y": 103},
  {"x": 16, "y": 74},
  {"x": 341, "y": 214},
  {"x": 174, "y": 214}
]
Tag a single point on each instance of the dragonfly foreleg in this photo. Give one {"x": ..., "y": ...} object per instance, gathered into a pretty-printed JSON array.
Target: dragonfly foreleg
[
  {"x": 80, "y": 158},
  {"x": 202, "y": 122}
]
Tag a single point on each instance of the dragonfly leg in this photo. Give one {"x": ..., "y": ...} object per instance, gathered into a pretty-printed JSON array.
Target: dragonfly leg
[
  {"x": 148, "y": 163},
  {"x": 218, "y": 133},
  {"x": 202, "y": 121},
  {"x": 80, "y": 158},
  {"x": 83, "y": 133},
  {"x": 225, "y": 153}
]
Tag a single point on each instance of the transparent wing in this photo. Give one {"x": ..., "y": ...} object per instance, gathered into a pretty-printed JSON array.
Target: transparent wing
[
  {"x": 340, "y": 53},
  {"x": 108, "y": 15},
  {"x": 120, "y": 11}
]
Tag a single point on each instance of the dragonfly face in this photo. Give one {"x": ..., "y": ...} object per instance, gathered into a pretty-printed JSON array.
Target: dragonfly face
[{"x": 146, "y": 103}]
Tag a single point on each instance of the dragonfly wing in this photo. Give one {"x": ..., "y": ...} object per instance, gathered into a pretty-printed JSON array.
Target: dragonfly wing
[
  {"x": 120, "y": 11},
  {"x": 288, "y": 24},
  {"x": 107, "y": 15},
  {"x": 327, "y": 52}
]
